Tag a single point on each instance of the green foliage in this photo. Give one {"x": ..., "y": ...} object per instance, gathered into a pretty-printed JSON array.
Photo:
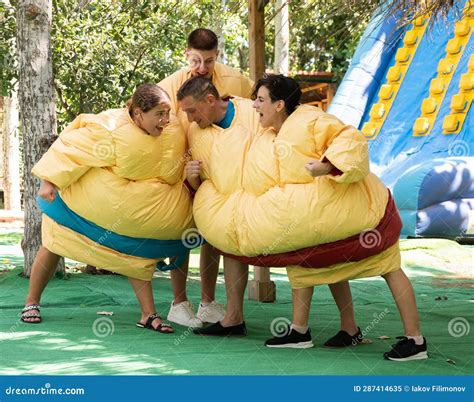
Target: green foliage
[
  {"x": 8, "y": 71},
  {"x": 9, "y": 239},
  {"x": 323, "y": 34},
  {"x": 235, "y": 27},
  {"x": 103, "y": 49}
]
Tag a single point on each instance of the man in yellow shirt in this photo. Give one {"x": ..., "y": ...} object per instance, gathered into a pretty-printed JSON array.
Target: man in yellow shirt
[{"x": 201, "y": 53}]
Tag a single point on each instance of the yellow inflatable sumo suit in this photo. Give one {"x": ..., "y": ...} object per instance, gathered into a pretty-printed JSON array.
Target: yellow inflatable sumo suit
[
  {"x": 257, "y": 198},
  {"x": 112, "y": 174}
]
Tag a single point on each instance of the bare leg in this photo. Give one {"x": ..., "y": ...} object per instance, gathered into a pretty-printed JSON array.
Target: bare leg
[
  {"x": 301, "y": 305},
  {"x": 209, "y": 270},
  {"x": 178, "y": 282},
  {"x": 42, "y": 271},
  {"x": 144, "y": 293},
  {"x": 236, "y": 276},
  {"x": 341, "y": 292},
  {"x": 404, "y": 296}
]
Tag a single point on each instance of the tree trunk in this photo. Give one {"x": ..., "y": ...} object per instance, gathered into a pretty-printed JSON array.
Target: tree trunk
[
  {"x": 1, "y": 140},
  {"x": 256, "y": 38},
  {"x": 11, "y": 153},
  {"x": 37, "y": 108},
  {"x": 282, "y": 38}
]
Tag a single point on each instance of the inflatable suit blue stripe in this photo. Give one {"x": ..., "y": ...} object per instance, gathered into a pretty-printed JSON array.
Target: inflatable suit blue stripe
[{"x": 138, "y": 247}]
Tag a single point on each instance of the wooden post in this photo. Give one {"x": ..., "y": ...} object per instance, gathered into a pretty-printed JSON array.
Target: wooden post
[
  {"x": 330, "y": 92},
  {"x": 261, "y": 288},
  {"x": 257, "y": 38}
]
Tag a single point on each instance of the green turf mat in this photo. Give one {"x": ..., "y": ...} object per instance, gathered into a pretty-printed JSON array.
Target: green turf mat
[{"x": 74, "y": 340}]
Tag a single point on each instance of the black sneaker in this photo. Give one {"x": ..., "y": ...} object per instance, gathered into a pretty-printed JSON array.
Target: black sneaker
[
  {"x": 291, "y": 339},
  {"x": 218, "y": 330},
  {"x": 343, "y": 339},
  {"x": 406, "y": 349}
]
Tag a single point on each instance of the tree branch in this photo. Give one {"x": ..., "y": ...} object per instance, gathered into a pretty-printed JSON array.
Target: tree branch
[
  {"x": 69, "y": 112},
  {"x": 135, "y": 67}
]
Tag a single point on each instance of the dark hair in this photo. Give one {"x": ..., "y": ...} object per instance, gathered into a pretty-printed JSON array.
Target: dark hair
[
  {"x": 198, "y": 88},
  {"x": 202, "y": 39},
  {"x": 146, "y": 97},
  {"x": 280, "y": 88}
]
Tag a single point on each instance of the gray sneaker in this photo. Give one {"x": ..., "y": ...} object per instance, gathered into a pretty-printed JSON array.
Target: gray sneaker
[
  {"x": 211, "y": 312},
  {"x": 183, "y": 314}
]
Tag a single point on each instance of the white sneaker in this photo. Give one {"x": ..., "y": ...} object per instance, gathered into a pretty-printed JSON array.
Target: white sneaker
[
  {"x": 183, "y": 314},
  {"x": 211, "y": 312}
]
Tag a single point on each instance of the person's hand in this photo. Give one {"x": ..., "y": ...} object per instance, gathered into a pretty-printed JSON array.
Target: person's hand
[
  {"x": 193, "y": 170},
  {"x": 317, "y": 168},
  {"x": 48, "y": 191}
]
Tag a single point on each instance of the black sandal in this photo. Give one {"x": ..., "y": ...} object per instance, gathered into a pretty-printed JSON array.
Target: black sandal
[
  {"x": 159, "y": 328},
  {"x": 24, "y": 314}
]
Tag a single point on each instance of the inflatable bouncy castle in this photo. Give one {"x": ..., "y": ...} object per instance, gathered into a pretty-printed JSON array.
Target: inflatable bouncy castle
[{"x": 409, "y": 90}]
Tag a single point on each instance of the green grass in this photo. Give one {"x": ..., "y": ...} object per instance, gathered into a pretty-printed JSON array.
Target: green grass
[{"x": 68, "y": 341}]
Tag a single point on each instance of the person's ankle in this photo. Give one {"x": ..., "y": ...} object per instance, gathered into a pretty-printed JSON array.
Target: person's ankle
[
  {"x": 350, "y": 327},
  {"x": 417, "y": 338},
  {"x": 302, "y": 329},
  {"x": 145, "y": 315},
  {"x": 29, "y": 302},
  {"x": 179, "y": 300},
  {"x": 231, "y": 321}
]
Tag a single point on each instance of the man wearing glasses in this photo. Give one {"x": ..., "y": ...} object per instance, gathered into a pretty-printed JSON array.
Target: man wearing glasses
[{"x": 201, "y": 53}]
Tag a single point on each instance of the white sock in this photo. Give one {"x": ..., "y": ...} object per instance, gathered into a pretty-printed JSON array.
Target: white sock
[
  {"x": 204, "y": 304},
  {"x": 418, "y": 339},
  {"x": 301, "y": 330}
]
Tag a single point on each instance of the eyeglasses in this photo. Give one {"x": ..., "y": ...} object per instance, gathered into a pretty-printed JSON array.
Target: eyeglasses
[{"x": 194, "y": 61}]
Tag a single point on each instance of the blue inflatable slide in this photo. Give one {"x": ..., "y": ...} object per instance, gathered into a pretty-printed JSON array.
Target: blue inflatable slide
[{"x": 409, "y": 90}]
